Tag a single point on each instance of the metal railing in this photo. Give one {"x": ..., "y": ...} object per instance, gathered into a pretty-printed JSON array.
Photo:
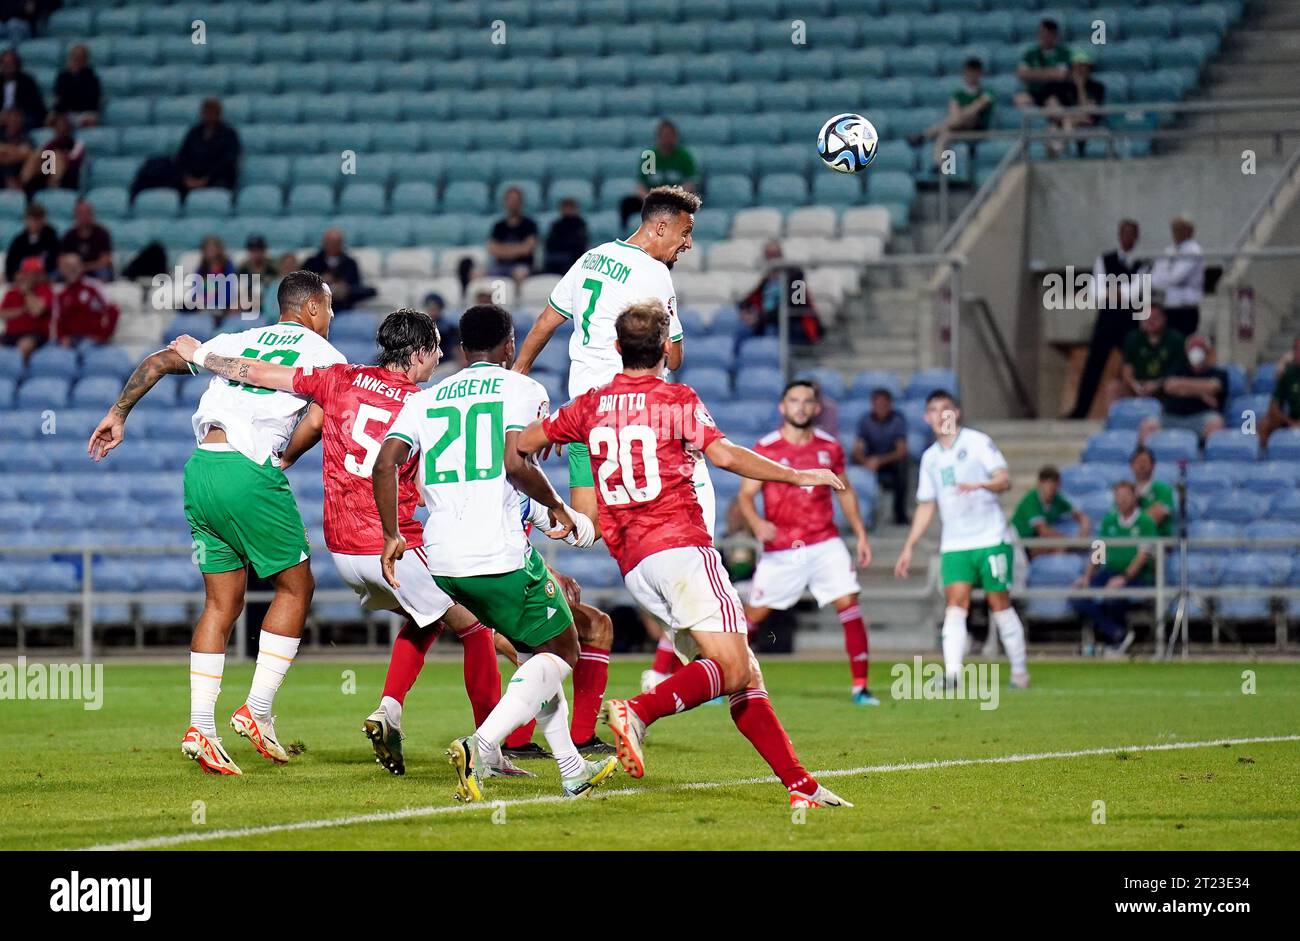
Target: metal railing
[{"x": 1161, "y": 592}]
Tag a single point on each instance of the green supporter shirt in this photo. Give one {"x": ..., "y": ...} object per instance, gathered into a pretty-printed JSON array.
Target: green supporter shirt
[
  {"x": 1157, "y": 491},
  {"x": 1119, "y": 558},
  {"x": 671, "y": 169},
  {"x": 1165, "y": 358},
  {"x": 1036, "y": 58},
  {"x": 1030, "y": 512},
  {"x": 1286, "y": 392},
  {"x": 964, "y": 96}
]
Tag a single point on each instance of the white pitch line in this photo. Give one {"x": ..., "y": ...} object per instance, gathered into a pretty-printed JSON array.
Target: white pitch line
[{"x": 179, "y": 839}]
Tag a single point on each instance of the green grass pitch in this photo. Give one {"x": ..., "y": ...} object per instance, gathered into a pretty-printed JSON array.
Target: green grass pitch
[{"x": 73, "y": 778}]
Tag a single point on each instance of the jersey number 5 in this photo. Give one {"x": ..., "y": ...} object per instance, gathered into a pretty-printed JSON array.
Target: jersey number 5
[
  {"x": 615, "y": 449},
  {"x": 365, "y": 415}
]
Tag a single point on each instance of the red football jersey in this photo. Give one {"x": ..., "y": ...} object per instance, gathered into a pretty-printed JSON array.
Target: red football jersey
[
  {"x": 638, "y": 430},
  {"x": 360, "y": 404},
  {"x": 802, "y": 515}
]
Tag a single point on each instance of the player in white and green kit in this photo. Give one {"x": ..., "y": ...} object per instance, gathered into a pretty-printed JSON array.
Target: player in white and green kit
[
  {"x": 961, "y": 474},
  {"x": 476, "y": 483},
  {"x": 241, "y": 511},
  {"x": 603, "y": 283}
]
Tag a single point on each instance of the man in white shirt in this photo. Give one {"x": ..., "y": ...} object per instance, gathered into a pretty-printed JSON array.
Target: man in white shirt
[
  {"x": 960, "y": 477},
  {"x": 241, "y": 511},
  {"x": 1180, "y": 274}
]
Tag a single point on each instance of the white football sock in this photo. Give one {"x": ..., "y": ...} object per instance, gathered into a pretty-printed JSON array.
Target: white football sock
[
  {"x": 537, "y": 681},
  {"x": 205, "y": 687},
  {"x": 275, "y": 655},
  {"x": 553, "y": 720},
  {"x": 1012, "y": 633},
  {"x": 393, "y": 710},
  {"x": 953, "y": 637}
]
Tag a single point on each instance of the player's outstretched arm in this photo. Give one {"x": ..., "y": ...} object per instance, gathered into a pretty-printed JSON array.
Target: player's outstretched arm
[
  {"x": 109, "y": 432},
  {"x": 255, "y": 372},
  {"x": 725, "y": 455},
  {"x": 305, "y": 436},
  {"x": 853, "y": 513},
  {"x": 925, "y": 510},
  {"x": 543, "y": 329},
  {"x": 762, "y": 529},
  {"x": 383, "y": 482},
  {"x": 528, "y": 478},
  {"x": 676, "y": 353}
]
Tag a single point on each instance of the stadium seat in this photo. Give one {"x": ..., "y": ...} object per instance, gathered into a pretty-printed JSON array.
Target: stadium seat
[
  {"x": 1110, "y": 446},
  {"x": 42, "y": 392},
  {"x": 925, "y": 381},
  {"x": 1128, "y": 414},
  {"x": 1237, "y": 507},
  {"x": 1052, "y": 570},
  {"x": 1173, "y": 445},
  {"x": 760, "y": 351},
  {"x": 758, "y": 382},
  {"x": 1231, "y": 445},
  {"x": 711, "y": 384},
  {"x": 1284, "y": 445},
  {"x": 51, "y": 360}
]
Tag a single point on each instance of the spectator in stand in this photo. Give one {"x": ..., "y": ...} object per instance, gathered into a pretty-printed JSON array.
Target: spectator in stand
[
  {"x": 668, "y": 164},
  {"x": 37, "y": 240},
  {"x": 15, "y": 148},
  {"x": 90, "y": 240},
  {"x": 209, "y": 154},
  {"x": 513, "y": 240},
  {"x": 970, "y": 108},
  {"x": 1111, "y": 276},
  {"x": 19, "y": 90},
  {"x": 81, "y": 311},
  {"x": 221, "y": 293},
  {"x": 339, "y": 270},
  {"x": 566, "y": 240},
  {"x": 1152, "y": 353},
  {"x": 1040, "y": 511},
  {"x": 1180, "y": 275},
  {"x": 453, "y": 357},
  {"x": 26, "y": 308},
  {"x": 1044, "y": 70},
  {"x": 1124, "y": 566},
  {"x": 760, "y": 309},
  {"x": 1194, "y": 396},
  {"x": 18, "y": 18},
  {"x": 881, "y": 446},
  {"x": 77, "y": 92},
  {"x": 1284, "y": 405},
  {"x": 57, "y": 164},
  {"x": 257, "y": 264},
  {"x": 1085, "y": 93},
  {"x": 1154, "y": 496}
]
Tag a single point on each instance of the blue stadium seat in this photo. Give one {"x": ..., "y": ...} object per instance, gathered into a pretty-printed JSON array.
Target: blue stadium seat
[
  {"x": 1110, "y": 446},
  {"x": 1054, "y": 570},
  {"x": 711, "y": 384},
  {"x": 1237, "y": 507},
  {"x": 761, "y": 383},
  {"x": 1285, "y": 530},
  {"x": 744, "y": 418},
  {"x": 867, "y": 381},
  {"x": 1211, "y": 479},
  {"x": 760, "y": 351},
  {"x": 43, "y": 392},
  {"x": 1263, "y": 379},
  {"x": 1270, "y": 477},
  {"x": 1231, "y": 445},
  {"x": 1251, "y": 569},
  {"x": 925, "y": 381},
  {"x": 1128, "y": 413},
  {"x": 1173, "y": 445},
  {"x": 829, "y": 381},
  {"x": 716, "y": 351},
  {"x": 1284, "y": 445},
  {"x": 51, "y": 360}
]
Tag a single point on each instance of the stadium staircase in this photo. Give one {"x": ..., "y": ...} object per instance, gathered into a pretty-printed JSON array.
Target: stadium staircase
[{"x": 1260, "y": 57}]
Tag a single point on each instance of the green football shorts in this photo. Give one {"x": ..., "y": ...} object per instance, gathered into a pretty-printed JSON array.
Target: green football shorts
[
  {"x": 989, "y": 568},
  {"x": 241, "y": 513},
  {"x": 580, "y": 466},
  {"x": 526, "y": 605}
]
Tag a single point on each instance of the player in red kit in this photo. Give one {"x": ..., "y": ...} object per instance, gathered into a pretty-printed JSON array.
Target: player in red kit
[
  {"x": 352, "y": 409},
  {"x": 802, "y": 548},
  {"x": 642, "y": 434}
]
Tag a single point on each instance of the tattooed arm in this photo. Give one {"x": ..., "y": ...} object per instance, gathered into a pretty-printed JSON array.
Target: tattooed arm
[
  {"x": 255, "y": 372},
  {"x": 109, "y": 432}
]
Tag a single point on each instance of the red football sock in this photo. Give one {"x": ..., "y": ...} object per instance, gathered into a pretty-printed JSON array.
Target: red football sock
[
  {"x": 589, "y": 679},
  {"x": 752, "y": 712},
  {"x": 692, "y": 685},
  {"x": 482, "y": 674},
  {"x": 666, "y": 660},
  {"x": 407, "y": 659},
  {"x": 521, "y": 736},
  {"x": 855, "y": 644}
]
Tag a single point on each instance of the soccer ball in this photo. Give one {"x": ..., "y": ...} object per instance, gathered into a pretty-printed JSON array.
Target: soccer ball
[{"x": 847, "y": 142}]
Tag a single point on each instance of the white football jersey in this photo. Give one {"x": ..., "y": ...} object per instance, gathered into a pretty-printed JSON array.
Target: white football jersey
[
  {"x": 475, "y": 524},
  {"x": 259, "y": 422},
  {"x": 971, "y": 520},
  {"x": 600, "y": 286}
]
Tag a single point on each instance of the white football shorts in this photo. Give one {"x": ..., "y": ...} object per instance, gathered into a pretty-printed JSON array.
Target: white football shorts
[
  {"x": 825, "y": 568},
  {"x": 420, "y": 597}
]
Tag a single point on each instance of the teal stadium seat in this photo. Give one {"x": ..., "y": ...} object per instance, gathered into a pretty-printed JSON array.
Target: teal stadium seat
[
  {"x": 256, "y": 80},
  {"x": 730, "y": 191},
  {"x": 414, "y": 197},
  {"x": 213, "y": 202},
  {"x": 157, "y": 204},
  {"x": 465, "y": 196},
  {"x": 363, "y": 198},
  {"x": 260, "y": 199},
  {"x": 310, "y": 199}
]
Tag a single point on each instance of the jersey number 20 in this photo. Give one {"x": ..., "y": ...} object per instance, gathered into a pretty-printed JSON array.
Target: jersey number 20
[{"x": 615, "y": 450}]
